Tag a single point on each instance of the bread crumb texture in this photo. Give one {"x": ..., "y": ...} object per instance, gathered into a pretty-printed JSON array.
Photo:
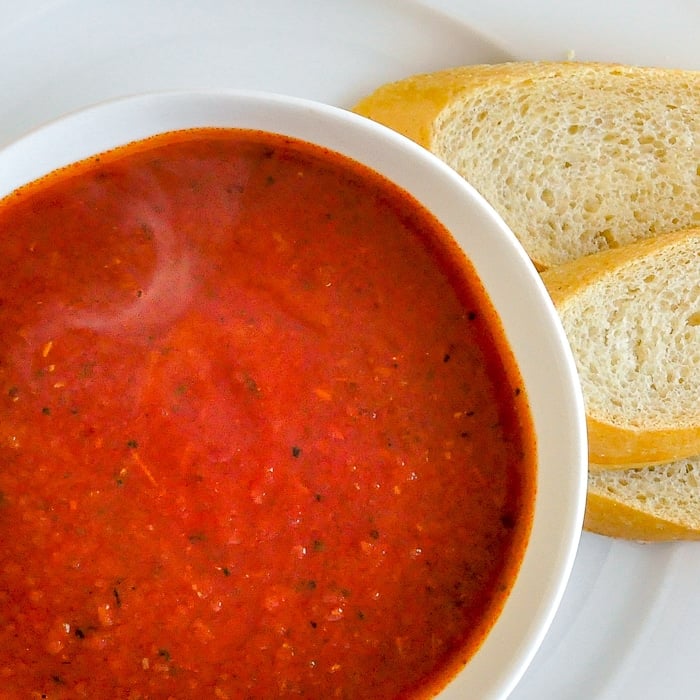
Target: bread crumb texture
[
  {"x": 635, "y": 334},
  {"x": 577, "y": 157},
  {"x": 668, "y": 495}
]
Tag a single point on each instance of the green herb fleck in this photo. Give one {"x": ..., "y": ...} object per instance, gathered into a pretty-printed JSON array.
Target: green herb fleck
[
  {"x": 46, "y": 411},
  {"x": 296, "y": 451},
  {"x": 132, "y": 444},
  {"x": 251, "y": 384}
]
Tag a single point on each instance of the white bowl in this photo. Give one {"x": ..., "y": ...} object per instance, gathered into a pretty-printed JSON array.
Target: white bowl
[{"x": 528, "y": 316}]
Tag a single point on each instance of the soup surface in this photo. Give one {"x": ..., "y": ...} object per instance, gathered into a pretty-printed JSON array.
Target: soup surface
[{"x": 260, "y": 432}]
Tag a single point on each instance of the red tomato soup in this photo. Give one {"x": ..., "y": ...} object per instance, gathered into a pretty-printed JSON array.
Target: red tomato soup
[{"x": 261, "y": 435}]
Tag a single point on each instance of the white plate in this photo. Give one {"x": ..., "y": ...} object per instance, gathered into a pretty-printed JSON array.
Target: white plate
[{"x": 627, "y": 625}]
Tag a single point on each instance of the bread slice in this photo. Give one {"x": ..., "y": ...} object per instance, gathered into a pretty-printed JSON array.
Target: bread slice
[
  {"x": 651, "y": 504},
  {"x": 576, "y": 157},
  {"x": 632, "y": 318}
]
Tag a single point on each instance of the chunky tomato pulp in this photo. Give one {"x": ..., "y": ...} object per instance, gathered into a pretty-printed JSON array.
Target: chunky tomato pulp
[{"x": 261, "y": 435}]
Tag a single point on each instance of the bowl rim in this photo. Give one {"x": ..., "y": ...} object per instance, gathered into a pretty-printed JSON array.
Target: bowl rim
[{"x": 544, "y": 356}]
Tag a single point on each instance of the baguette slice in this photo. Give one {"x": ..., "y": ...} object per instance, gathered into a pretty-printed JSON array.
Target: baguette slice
[
  {"x": 652, "y": 504},
  {"x": 632, "y": 318},
  {"x": 576, "y": 157}
]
